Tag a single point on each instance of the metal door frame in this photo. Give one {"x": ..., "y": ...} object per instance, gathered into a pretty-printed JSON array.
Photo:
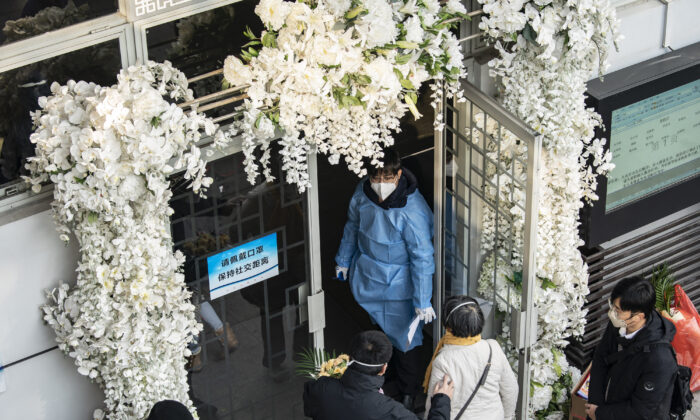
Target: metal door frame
[{"x": 526, "y": 317}]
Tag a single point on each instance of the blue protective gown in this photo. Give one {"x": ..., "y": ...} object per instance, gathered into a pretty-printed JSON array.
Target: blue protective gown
[{"x": 390, "y": 256}]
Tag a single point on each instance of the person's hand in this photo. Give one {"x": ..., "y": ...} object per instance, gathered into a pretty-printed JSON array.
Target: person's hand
[
  {"x": 426, "y": 315},
  {"x": 446, "y": 386},
  {"x": 590, "y": 410},
  {"x": 341, "y": 273}
]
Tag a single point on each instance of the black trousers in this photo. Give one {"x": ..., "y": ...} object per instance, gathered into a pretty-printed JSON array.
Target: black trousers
[{"x": 404, "y": 368}]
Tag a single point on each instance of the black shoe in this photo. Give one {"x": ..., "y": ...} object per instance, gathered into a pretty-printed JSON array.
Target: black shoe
[{"x": 407, "y": 401}]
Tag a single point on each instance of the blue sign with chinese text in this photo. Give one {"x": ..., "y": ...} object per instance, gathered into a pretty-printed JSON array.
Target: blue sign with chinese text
[{"x": 243, "y": 266}]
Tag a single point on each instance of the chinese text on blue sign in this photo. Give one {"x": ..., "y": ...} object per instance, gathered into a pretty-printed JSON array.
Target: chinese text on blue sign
[{"x": 243, "y": 266}]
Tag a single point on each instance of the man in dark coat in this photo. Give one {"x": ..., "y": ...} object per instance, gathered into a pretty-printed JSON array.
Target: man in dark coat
[
  {"x": 633, "y": 366},
  {"x": 356, "y": 395}
]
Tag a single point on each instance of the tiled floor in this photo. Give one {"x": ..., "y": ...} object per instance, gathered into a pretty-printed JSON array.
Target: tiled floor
[
  {"x": 695, "y": 412},
  {"x": 242, "y": 388}
]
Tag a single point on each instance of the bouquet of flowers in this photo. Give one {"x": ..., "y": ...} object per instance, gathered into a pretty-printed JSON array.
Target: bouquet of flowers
[
  {"x": 316, "y": 363},
  {"x": 335, "y": 76}
]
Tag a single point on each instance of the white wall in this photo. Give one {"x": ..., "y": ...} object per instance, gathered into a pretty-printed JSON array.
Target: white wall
[
  {"x": 33, "y": 259},
  {"x": 642, "y": 24}
]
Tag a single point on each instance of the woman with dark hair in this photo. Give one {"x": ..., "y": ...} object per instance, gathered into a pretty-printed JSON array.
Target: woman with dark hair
[{"x": 485, "y": 386}]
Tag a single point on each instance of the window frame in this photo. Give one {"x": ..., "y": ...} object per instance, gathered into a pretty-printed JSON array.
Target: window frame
[{"x": 17, "y": 198}]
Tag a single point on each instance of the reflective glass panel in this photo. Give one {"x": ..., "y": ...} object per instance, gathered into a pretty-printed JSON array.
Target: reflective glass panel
[
  {"x": 199, "y": 44},
  {"x": 243, "y": 367},
  {"x": 20, "y": 88},
  {"x": 21, "y": 19}
]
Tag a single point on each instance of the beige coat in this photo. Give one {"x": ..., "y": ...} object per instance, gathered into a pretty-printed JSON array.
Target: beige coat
[{"x": 496, "y": 399}]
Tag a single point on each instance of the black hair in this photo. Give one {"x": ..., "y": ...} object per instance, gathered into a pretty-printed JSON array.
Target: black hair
[
  {"x": 391, "y": 161},
  {"x": 169, "y": 410},
  {"x": 371, "y": 347},
  {"x": 465, "y": 321},
  {"x": 636, "y": 295}
]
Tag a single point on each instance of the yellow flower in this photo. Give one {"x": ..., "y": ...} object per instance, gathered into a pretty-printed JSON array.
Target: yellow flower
[{"x": 344, "y": 357}]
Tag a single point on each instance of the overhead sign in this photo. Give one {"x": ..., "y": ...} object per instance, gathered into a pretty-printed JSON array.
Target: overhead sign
[
  {"x": 139, "y": 9},
  {"x": 242, "y": 266}
]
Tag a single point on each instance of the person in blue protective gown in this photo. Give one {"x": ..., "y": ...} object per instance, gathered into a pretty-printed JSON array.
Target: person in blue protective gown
[{"x": 386, "y": 253}]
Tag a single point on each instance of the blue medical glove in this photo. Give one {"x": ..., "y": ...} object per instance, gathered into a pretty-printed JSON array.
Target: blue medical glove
[{"x": 341, "y": 273}]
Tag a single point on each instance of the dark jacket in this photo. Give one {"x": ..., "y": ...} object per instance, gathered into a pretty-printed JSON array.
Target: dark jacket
[
  {"x": 355, "y": 396},
  {"x": 633, "y": 379}
]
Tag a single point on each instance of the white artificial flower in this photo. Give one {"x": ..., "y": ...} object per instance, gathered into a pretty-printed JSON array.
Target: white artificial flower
[
  {"x": 273, "y": 13},
  {"x": 414, "y": 29},
  {"x": 338, "y": 7},
  {"x": 455, "y": 6},
  {"x": 298, "y": 18},
  {"x": 543, "y": 83},
  {"x": 331, "y": 84},
  {"x": 377, "y": 27},
  {"x": 108, "y": 151},
  {"x": 235, "y": 72}
]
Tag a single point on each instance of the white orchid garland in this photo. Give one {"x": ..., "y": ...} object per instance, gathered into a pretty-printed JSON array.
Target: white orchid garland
[
  {"x": 108, "y": 151},
  {"x": 548, "y": 50},
  {"x": 335, "y": 76}
]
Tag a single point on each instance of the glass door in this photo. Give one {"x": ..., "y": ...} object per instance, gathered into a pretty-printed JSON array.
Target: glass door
[{"x": 243, "y": 362}]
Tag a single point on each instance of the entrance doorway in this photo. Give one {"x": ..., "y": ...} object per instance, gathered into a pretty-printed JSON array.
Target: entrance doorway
[{"x": 336, "y": 184}]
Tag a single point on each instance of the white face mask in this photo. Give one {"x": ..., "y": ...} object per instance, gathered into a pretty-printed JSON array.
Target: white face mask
[
  {"x": 615, "y": 320},
  {"x": 383, "y": 189}
]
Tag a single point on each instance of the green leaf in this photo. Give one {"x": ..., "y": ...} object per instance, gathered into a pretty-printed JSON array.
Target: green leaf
[
  {"x": 155, "y": 121},
  {"x": 248, "y": 33},
  {"x": 406, "y": 84},
  {"x": 92, "y": 217},
  {"x": 514, "y": 37},
  {"x": 225, "y": 84},
  {"x": 557, "y": 368},
  {"x": 530, "y": 35},
  {"x": 253, "y": 42},
  {"x": 413, "y": 97},
  {"x": 548, "y": 284},
  {"x": 79, "y": 180},
  {"x": 407, "y": 45},
  {"x": 363, "y": 79},
  {"x": 257, "y": 120},
  {"x": 252, "y": 51},
  {"x": 409, "y": 100},
  {"x": 398, "y": 73},
  {"x": 346, "y": 79},
  {"x": 403, "y": 58},
  {"x": 664, "y": 287},
  {"x": 349, "y": 101},
  {"x": 353, "y": 13},
  {"x": 269, "y": 40}
]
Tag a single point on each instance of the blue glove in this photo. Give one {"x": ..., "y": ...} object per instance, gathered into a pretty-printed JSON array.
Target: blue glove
[{"x": 341, "y": 273}]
